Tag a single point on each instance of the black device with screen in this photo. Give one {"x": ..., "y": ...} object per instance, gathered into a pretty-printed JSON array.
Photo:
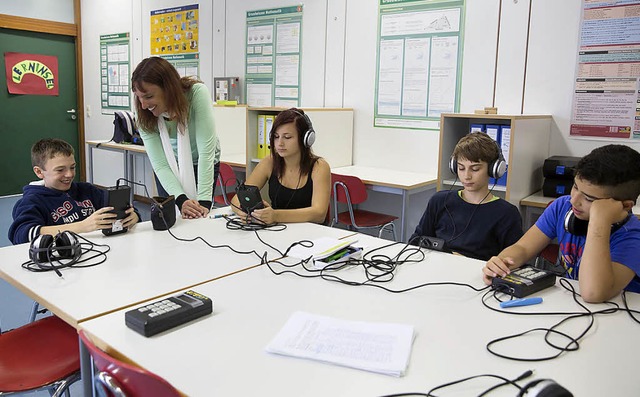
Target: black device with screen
[
  {"x": 118, "y": 198},
  {"x": 524, "y": 281},
  {"x": 167, "y": 313},
  {"x": 249, "y": 198}
]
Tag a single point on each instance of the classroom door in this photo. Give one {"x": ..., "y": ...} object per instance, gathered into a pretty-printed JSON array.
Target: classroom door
[{"x": 27, "y": 118}]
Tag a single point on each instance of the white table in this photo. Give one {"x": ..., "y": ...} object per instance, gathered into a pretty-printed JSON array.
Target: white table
[
  {"x": 144, "y": 264},
  {"x": 394, "y": 182},
  {"x": 129, "y": 151},
  {"x": 223, "y": 354},
  {"x": 236, "y": 160}
]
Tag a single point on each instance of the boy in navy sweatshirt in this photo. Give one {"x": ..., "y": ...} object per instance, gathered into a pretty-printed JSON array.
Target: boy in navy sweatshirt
[{"x": 57, "y": 203}]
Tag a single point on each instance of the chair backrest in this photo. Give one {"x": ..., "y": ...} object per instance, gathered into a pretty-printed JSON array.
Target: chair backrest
[
  {"x": 348, "y": 186},
  {"x": 121, "y": 379},
  {"x": 227, "y": 177}
]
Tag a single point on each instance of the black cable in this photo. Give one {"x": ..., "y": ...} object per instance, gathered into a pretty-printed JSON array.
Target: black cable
[
  {"x": 453, "y": 235},
  {"x": 56, "y": 262},
  {"x": 232, "y": 223},
  {"x": 504, "y": 380},
  {"x": 573, "y": 342},
  {"x": 378, "y": 269},
  {"x": 629, "y": 311}
]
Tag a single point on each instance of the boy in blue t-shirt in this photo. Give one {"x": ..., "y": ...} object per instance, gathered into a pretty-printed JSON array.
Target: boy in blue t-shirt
[
  {"x": 598, "y": 235},
  {"x": 57, "y": 203}
]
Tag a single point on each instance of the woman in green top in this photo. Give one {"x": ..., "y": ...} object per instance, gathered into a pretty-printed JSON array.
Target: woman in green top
[{"x": 175, "y": 119}]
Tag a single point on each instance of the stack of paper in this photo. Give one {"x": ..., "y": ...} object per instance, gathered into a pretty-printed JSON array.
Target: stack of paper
[
  {"x": 322, "y": 247},
  {"x": 377, "y": 347}
]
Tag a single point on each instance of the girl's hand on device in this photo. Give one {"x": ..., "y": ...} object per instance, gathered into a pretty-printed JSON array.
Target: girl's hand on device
[{"x": 266, "y": 214}]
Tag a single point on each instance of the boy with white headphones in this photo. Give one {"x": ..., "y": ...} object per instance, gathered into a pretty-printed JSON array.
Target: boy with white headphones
[
  {"x": 472, "y": 221},
  {"x": 596, "y": 231}
]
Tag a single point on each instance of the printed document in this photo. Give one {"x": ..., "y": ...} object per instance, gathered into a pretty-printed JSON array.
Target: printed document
[{"x": 377, "y": 347}]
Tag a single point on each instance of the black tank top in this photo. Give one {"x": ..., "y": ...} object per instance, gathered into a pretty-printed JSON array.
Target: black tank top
[{"x": 283, "y": 198}]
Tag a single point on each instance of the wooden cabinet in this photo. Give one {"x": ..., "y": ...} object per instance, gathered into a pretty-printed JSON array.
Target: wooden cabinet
[{"x": 527, "y": 150}]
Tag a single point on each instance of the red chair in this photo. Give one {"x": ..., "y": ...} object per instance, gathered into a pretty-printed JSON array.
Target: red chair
[
  {"x": 118, "y": 378},
  {"x": 350, "y": 190},
  {"x": 226, "y": 178},
  {"x": 40, "y": 355},
  {"x": 549, "y": 253}
]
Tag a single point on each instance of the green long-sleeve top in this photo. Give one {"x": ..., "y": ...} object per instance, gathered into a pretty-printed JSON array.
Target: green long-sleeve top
[{"x": 205, "y": 146}]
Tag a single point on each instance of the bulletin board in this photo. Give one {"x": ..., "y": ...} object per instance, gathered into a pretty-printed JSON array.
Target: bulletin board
[
  {"x": 419, "y": 62},
  {"x": 606, "y": 99},
  {"x": 273, "y": 57},
  {"x": 174, "y": 30},
  {"x": 115, "y": 66}
]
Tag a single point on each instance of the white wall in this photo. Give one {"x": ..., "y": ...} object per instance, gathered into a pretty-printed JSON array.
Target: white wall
[
  {"x": 50, "y": 10},
  {"x": 339, "y": 52},
  {"x": 314, "y": 29},
  {"x": 339, "y": 61}
]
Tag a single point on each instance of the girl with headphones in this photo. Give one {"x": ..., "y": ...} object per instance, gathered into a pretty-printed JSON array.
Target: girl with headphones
[
  {"x": 472, "y": 221},
  {"x": 299, "y": 181}
]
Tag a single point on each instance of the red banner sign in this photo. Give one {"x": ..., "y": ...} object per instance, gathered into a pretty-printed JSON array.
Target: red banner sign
[{"x": 31, "y": 74}]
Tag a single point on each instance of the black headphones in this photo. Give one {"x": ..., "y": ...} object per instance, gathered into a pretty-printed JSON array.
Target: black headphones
[
  {"x": 544, "y": 388},
  {"x": 46, "y": 248},
  {"x": 496, "y": 169},
  {"x": 578, "y": 227},
  {"x": 309, "y": 136}
]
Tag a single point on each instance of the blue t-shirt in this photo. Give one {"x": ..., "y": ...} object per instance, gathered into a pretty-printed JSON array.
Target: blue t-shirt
[{"x": 623, "y": 244}]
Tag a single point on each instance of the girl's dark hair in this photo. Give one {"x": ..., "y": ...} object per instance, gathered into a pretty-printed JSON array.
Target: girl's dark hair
[
  {"x": 614, "y": 167},
  {"x": 158, "y": 71},
  {"x": 307, "y": 158}
]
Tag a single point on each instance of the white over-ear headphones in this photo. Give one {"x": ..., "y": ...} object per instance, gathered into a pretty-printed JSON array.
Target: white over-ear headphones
[
  {"x": 309, "y": 136},
  {"x": 496, "y": 169},
  {"x": 46, "y": 248}
]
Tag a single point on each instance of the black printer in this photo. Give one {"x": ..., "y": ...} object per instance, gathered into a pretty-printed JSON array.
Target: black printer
[{"x": 558, "y": 172}]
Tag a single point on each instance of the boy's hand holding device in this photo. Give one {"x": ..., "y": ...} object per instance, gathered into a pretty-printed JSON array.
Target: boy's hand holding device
[{"x": 100, "y": 219}]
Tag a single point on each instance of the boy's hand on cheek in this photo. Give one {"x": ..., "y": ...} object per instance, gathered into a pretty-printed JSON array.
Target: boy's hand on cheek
[{"x": 607, "y": 211}]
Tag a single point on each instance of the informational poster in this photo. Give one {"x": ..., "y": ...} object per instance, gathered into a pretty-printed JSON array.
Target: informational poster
[
  {"x": 187, "y": 65},
  {"x": 31, "y": 74},
  {"x": 274, "y": 39},
  {"x": 174, "y": 30},
  {"x": 606, "y": 103},
  {"x": 419, "y": 62},
  {"x": 115, "y": 72}
]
